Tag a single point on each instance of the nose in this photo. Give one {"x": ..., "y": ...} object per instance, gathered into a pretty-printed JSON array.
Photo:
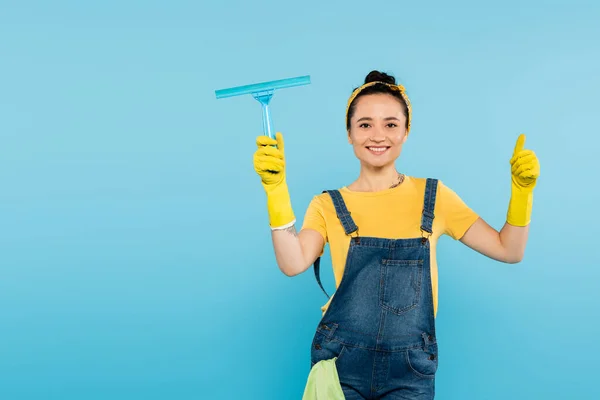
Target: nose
[
  {"x": 377, "y": 135},
  {"x": 377, "y": 138}
]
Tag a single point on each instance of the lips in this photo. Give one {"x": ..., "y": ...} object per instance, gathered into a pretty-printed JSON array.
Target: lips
[{"x": 378, "y": 150}]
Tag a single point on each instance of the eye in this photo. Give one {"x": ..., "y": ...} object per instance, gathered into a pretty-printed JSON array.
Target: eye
[
  {"x": 364, "y": 125},
  {"x": 392, "y": 125}
]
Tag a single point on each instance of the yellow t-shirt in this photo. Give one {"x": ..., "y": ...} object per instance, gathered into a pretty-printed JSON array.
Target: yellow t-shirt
[{"x": 393, "y": 214}]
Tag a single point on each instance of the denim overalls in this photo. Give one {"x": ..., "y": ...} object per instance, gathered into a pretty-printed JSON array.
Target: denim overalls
[{"x": 380, "y": 323}]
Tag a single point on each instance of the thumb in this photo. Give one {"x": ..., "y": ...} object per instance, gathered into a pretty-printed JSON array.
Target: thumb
[
  {"x": 279, "y": 138},
  {"x": 520, "y": 144}
]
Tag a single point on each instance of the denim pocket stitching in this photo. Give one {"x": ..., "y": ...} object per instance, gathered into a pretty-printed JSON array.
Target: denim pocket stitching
[
  {"x": 385, "y": 265},
  {"x": 419, "y": 374}
]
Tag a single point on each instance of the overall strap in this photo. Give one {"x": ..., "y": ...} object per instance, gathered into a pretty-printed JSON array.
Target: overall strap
[
  {"x": 347, "y": 222},
  {"x": 342, "y": 212},
  {"x": 317, "y": 267},
  {"x": 429, "y": 205}
]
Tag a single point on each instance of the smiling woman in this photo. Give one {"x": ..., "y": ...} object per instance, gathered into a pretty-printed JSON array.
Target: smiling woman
[
  {"x": 378, "y": 123},
  {"x": 378, "y": 330}
]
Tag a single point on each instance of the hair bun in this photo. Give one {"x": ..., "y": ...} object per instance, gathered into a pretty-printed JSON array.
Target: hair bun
[{"x": 376, "y": 76}]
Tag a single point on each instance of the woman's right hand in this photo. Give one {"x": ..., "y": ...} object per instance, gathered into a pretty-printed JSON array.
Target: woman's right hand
[
  {"x": 269, "y": 164},
  {"x": 269, "y": 161}
]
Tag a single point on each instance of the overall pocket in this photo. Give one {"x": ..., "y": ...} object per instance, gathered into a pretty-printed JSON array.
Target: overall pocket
[
  {"x": 400, "y": 287},
  {"x": 422, "y": 363}
]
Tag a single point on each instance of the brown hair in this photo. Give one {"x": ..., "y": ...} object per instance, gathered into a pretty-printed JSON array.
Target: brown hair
[{"x": 377, "y": 76}]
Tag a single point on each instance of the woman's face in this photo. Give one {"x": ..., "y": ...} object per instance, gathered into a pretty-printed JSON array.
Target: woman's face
[{"x": 377, "y": 130}]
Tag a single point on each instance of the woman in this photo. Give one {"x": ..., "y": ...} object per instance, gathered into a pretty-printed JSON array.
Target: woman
[{"x": 382, "y": 230}]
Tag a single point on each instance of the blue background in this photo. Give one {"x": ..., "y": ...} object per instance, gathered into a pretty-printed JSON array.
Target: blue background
[{"x": 135, "y": 253}]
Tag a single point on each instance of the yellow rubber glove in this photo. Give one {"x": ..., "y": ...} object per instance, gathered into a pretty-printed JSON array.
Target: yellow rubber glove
[
  {"x": 269, "y": 164},
  {"x": 525, "y": 169}
]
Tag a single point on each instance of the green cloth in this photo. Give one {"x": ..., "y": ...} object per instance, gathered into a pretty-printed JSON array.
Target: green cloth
[{"x": 323, "y": 382}]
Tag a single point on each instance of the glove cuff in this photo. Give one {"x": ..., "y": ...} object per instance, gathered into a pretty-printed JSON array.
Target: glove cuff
[
  {"x": 519, "y": 207},
  {"x": 279, "y": 207}
]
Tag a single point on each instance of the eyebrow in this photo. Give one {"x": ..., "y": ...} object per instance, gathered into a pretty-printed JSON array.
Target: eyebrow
[{"x": 370, "y": 119}]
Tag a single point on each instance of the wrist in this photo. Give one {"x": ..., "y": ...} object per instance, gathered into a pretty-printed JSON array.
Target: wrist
[
  {"x": 279, "y": 206},
  {"x": 520, "y": 206}
]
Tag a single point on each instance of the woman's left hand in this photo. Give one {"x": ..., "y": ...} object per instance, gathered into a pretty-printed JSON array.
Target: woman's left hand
[
  {"x": 525, "y": 170},
  {"x": 525, "y": 166}
]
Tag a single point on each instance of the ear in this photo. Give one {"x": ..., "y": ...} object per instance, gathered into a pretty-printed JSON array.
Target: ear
[
  {"x": 349, "y": 138},
  {"x": 404, "y": 138}
]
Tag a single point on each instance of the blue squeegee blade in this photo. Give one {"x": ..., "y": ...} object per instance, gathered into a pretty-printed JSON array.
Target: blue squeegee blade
[{"x": 263, "y": 86}]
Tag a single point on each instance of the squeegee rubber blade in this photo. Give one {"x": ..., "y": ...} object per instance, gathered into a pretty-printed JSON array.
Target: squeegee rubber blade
[{"x": 263, "y": 86}]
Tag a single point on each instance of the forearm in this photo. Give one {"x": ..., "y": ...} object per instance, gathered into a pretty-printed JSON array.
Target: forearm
[
  {"x": 289, "y": 252},
  {"x": 507, "y": 245},
  {"x": 513, "y": 240},
  {"x": 515, "y": 231},
  {"x": 286, "y": 241}
]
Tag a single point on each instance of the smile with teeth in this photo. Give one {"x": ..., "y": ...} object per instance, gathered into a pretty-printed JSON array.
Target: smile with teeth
[{"x": 377, "y": 149}]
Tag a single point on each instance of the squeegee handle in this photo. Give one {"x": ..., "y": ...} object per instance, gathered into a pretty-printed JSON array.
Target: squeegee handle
[
  {"x": 264, "y": 98},
  {"x": 266, "y": 120}
]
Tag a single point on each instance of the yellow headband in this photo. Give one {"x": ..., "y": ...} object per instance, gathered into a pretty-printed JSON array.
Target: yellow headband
[{"x": 399, "y": 88}]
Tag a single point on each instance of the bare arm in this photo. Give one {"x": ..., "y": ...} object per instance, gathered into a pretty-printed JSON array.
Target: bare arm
[
  {"x": 296, "y": 252},
  {"x": 507, "y": 246}
]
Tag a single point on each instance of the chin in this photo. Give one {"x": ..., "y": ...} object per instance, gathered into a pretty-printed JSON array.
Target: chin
[
  {"x": 368, "y": 162},
  {"x": 378, "y": 161}
]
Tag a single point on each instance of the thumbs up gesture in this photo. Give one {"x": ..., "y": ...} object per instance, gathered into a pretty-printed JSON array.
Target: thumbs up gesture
[
  {"x": 525, "y": 170},
  {"x": 525, "y": 167}
]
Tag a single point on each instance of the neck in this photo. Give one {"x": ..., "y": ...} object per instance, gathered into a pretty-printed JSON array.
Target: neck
[{"x": 374, "y": 180}]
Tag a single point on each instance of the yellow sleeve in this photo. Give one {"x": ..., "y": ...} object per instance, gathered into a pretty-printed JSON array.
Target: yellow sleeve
[
  {"x": 314, "y": 217},
  {"x": 456, "y": 214}
]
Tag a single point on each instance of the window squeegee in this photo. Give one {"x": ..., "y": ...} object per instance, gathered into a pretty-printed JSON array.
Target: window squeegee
[{"x": 263, "y": 93}]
